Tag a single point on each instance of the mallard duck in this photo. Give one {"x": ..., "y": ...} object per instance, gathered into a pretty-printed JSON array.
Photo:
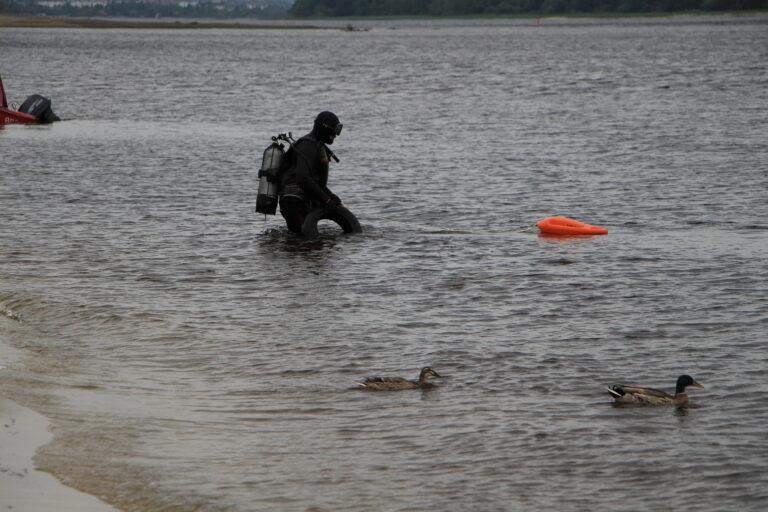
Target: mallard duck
[
  {"x": 397, "y": 383},
  {"x": 635, "y": 395}
]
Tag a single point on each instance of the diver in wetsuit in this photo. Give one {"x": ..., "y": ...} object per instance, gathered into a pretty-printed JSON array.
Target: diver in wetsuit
[{"x": 304, "y": 184}]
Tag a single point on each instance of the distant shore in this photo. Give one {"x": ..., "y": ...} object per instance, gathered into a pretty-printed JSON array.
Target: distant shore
[
  {"x": 7, "y": 21},
  {"x": 340, "y": 23}
]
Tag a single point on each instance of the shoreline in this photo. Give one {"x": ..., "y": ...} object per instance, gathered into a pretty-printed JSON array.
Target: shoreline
[
  {"x": 22, "y": 486},
  {"x": 23, "y": 432},
  {"x": 343, "y": 23},
  {"x": 12, "y": 21}
]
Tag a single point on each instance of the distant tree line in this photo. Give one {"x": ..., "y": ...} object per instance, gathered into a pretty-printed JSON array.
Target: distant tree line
[
  {"x": 144, "y": 9},
  {"x": 330, "y": 8}
]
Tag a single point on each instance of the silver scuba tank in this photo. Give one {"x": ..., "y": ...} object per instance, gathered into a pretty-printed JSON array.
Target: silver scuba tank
[{"x": 269, "y": 179}]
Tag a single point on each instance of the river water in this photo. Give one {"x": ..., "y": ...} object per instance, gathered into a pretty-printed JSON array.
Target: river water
[{"x": 194, "y": 356}]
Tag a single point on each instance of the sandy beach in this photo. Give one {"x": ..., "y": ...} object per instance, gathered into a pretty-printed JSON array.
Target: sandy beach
[
  {"x": 23, "y": 431},
  {"x": 22, "y": 487}
]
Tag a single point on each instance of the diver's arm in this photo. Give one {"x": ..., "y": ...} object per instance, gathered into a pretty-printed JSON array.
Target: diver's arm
[{"x": 305, "y": 158}]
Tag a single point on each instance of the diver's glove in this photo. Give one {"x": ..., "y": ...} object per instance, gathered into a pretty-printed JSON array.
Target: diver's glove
[{"x": 332, "y": 203}]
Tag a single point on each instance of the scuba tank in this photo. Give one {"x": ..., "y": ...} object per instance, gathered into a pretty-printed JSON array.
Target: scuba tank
[
  {"x": 273, "y": 163},
  {"x": 269, "y": 178}
]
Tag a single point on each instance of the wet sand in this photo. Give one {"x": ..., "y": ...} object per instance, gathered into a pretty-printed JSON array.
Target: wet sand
[
  {"x": 22, "y": 487},
  {"x": 65, "y": 22}
]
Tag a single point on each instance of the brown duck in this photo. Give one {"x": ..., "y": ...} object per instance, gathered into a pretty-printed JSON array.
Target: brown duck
[
  {"x": 636, "y": 395},
  {"x": 398, "y": 383}
]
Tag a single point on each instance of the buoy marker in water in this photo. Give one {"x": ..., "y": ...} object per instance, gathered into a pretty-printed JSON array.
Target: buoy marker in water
[{"x": 567, "y": 226}]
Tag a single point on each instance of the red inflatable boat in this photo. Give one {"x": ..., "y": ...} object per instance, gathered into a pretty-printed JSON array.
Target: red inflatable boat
[{"x": 35, "y": 110}]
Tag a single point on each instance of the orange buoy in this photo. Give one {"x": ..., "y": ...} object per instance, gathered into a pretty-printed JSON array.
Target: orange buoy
[{"x": 568, "y": 226}]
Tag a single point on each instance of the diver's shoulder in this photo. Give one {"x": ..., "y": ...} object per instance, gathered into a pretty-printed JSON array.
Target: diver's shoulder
[{"x": 308, "y": 144}]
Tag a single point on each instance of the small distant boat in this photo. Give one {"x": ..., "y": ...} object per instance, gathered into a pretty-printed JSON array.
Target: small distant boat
[
  {"x": 567, "y": 226},
  {"x": 36, "y": 109}
]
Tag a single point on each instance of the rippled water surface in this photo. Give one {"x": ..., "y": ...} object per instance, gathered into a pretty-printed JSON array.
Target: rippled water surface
[{"x": 193, "y": 356}]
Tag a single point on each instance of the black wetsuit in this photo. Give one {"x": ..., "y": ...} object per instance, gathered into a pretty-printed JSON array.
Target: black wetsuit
[{"x": 304, "y": 184}]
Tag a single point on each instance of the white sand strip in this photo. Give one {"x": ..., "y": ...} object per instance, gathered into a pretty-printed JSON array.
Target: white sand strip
[{"x": 22, "y": 487}]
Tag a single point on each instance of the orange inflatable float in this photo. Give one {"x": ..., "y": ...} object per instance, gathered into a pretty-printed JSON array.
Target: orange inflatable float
[{"x": 568, "y": 226}]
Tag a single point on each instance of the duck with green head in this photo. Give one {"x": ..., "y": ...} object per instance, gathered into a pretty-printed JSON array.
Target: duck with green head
[
  {"x": 398, "y": 383},
  {"x": 635, "y": 395}
]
